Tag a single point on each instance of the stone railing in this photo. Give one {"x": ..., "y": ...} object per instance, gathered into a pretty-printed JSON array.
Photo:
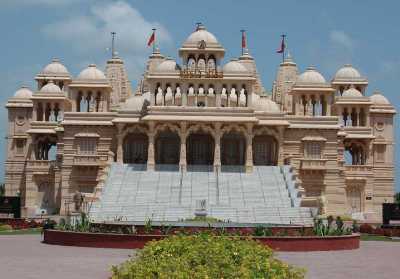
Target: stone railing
[
  {"x": 86, "y": 160},
  {"x": 41, "y": 166},
  {"x": 358, "y": 170},
  {"x": 186, "y": 73},
  {"x": 313, "y": 164}
]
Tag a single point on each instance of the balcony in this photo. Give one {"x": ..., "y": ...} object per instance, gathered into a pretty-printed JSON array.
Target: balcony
[
  {"x": 313, "y": 164},
  {"x": 41, "y": 166},
  {"x": 86, "y": 160},
  {"x": 357, "y": 172},
  {"x": 196, "y": 74}
]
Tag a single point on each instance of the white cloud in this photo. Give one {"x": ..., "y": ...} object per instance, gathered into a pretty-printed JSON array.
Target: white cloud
[
  {"x": 40, "y": 2},
  {"x": 89, "y": 34},
  {"x": 340, "y": 38}
]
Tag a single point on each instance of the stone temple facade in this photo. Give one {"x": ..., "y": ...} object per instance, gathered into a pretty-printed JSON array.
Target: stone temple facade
[{"x": 64, "y": 135}]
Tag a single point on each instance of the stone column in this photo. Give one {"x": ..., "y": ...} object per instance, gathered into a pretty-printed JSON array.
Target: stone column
[
  {"x": 152, "y": 95},
  {"x": 182, "y": 155},
  {"x": 184, "y": 90},
  {"x": 328, "y": 104},
  {"x": 249, "y": 148},
  {"x": 120, "y": 150},
  {"x": 280, "y": 145},
  {"x": 217, "y": 147},
  {"x": 358, "y": 113},
  {"x": 217, "y": 93},
  {"x": 150, "y": 151}
]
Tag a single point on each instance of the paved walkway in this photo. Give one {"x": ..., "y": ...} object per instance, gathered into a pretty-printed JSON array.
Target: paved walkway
[{"x": 24, "y": 257}]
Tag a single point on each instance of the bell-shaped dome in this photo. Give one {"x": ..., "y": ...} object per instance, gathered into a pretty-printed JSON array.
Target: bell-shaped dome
[
  {"x": 352, "y": 92},
  {"x": 264, "y": 104},
  {"x": 55, "y": 68},
  {"x": 137, "y": 102},
  {"x": 168, "y": 66},
  {"x": 234, "y": 67},
  {"x": 23, "y": 93},
  {"x": 50, "y": 88},
  {"x": 201, "y": 34},
  {"x": 347, "y": 72},
  {"x": 91, "y": 73},
  {"x": 311, "y": 77},
  {"x": 378, "y": 99}
]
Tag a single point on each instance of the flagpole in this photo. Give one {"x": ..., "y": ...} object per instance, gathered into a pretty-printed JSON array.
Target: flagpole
[
  {"x": 242, "y": 31},
  {"x": 154, "y": 42},
  {"x": 284, "y": 47}
]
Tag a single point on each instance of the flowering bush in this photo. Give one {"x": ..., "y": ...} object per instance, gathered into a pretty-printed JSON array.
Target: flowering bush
[
  {"x": 366, "y": 228},
  {"x": 19, "y": 224},
  {"x": 205, "y": 256}
]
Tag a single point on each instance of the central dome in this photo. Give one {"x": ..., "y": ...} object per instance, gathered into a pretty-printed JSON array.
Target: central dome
[
  {"x": 201, "y": 34},
  {"x": 347, "y": 72},
  {"x": 311, "y": 76},
  {"x": 91, "y": 73},
  {"x": 55, "y": 68},
  {"x": 50, "y": 88}
]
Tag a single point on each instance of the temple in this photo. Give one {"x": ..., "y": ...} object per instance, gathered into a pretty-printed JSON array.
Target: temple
[{"x": 310, "y": 143}]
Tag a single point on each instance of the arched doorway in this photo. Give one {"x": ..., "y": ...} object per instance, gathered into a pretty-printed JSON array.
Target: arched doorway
[
  {"x": 167, "y": 148},
  {"x": 200, "y": 149},
  {"x": 265, "y": 150},
  {"x": 45, "y": 198},
  {"x": 233, "y": 147},
  {"x": 135, "y": 148}
]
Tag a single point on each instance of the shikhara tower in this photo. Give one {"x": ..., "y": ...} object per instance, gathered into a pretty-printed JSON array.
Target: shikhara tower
[{"x": 326, "y": 145}]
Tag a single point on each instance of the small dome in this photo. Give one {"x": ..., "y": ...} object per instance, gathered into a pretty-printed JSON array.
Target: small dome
[
  {"x": 264, "y": 104},
  {"x": 55, "y": 68},
  {"x": 91, "y": 73},
  {"x": 137, "y": 102},
  {"x": 23, "y": 93},
  {"x": 167, "y": 66},
  {"x": 378, "y": 99},
  {"x": 311, "y": 76},
  {"x": 347, "y": 72},
  {"x": 234, "y": 67},
  {"x": 352, "y": 93},
  {"x": 201, "y": 34},
  {"x": 50, "y": 88}
]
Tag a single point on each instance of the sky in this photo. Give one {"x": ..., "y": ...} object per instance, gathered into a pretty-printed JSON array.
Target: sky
[{"x": 327, "y": 34}]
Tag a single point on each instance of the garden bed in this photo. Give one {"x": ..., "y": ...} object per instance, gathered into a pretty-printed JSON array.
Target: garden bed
[{"x": 137, "y": 241}]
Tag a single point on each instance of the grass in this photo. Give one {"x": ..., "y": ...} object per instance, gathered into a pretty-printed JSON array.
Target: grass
[
  {"x": 22, "y": 232},
  {"x": 369, "y": 237}
]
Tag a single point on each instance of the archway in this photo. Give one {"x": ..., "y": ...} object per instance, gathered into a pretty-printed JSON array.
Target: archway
[
  {"x": 200, "y": 149},
  {"x": 167, "y": 148},
  {"x": 135, "y": 148},
  {"x": 233, "y": 147},
  {"x": 265, "y": 150}
]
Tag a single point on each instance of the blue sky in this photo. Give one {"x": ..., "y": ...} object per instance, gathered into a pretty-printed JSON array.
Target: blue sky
[{"x": 327, "y": 34}]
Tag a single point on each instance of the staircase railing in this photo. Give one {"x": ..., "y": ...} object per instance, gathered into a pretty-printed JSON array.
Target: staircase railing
[
  {"x": 217, "y": 183},
  {"x": 180, "y": 184}
]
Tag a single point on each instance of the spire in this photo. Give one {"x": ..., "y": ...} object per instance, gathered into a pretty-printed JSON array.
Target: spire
[
  {"x": 288, "y": 59},
  {"x": 113, "y": 52}
]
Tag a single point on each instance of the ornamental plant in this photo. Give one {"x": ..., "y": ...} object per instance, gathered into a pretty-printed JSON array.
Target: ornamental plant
[{"x": 205, "y": 256}]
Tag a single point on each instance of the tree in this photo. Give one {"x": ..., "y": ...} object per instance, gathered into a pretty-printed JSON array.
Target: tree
[
  {"x": 397, "y": 198},
  {"x": 2, "y": 189}
]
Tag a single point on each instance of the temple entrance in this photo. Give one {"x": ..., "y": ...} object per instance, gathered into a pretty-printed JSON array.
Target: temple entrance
[
  {"x": 167, "y": 148},
  {"x": 265, "y": 151},
  {"x": 200, "y": 149},
  {"x": 354, "y": 199},
  {"x": 135, "y": 148},
  {"x": 233, "y": 147},
  {"x": 45, "y": 198}
]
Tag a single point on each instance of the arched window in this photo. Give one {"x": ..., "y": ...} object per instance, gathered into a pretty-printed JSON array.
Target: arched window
[
  {"x": 211, "y": 65},
  {"x": 201, "y": 64},
  {"x": 191, "y": 65}
]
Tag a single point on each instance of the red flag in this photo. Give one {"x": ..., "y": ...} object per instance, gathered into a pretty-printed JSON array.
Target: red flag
[
  {"x": 244, "y": 44},
  {"x": 151, "y": 39},
  {"x": 282, "y": 47}
]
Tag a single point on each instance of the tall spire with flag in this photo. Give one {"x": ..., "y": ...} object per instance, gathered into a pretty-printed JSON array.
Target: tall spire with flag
[
  {"x": 152, "y": 40},
  {"x": 282, "y": 47},
  {"x": 244, "y": 41}
]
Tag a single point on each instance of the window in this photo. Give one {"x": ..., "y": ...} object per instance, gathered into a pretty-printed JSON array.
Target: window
[
  {"x": 312, "y": 150},
  {"x": 87, "y": 146},
  {"x": 20, "y": 144},
  {"x": 380, "y": 150}
]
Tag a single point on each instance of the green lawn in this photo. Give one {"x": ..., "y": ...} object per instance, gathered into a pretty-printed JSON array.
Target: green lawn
[
  {"x": 368, "y": 237},
  {"x": 21, "y": 232}
]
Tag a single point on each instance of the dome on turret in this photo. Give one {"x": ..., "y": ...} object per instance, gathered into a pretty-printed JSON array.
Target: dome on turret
[
  {"x": 23, "y": 93},
  {"x": 168, "y": 66},
  {"x": 378, "y": 99},
  {"x": 137, "y": 102},
  {"x": 55, "y": 68},
  {"x": 201, "y": 34},
  {"x": 265, "y": 104},
  {"x": 234, "y": 67},
  {"x": 311, "y": 77},
  {"x": 352, "y": 92},
  {"x": 91, "y": 73},
  {"x": 50, "y": 88},
  {"x": 347, "y": 72}
]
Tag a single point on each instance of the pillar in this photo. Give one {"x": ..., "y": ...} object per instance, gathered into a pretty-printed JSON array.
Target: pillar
[
  {"x": 280, "y": 146},
  {"x": 218, "y": 91},
  {"x": 217, "y": 147},
  {"x": 150, "y": 151},
  {"x": 249, "y": 148},
  {"x": 182, "y": 154},
  {"x": 184, "y": 90},
  {"x": 120, "y": 150}
]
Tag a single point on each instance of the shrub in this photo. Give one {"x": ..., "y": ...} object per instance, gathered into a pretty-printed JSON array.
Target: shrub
[
  {"x": 366, "y": 228},
  {"x": 5, "y": 228},
  {"x": 205, "y": 256}
]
